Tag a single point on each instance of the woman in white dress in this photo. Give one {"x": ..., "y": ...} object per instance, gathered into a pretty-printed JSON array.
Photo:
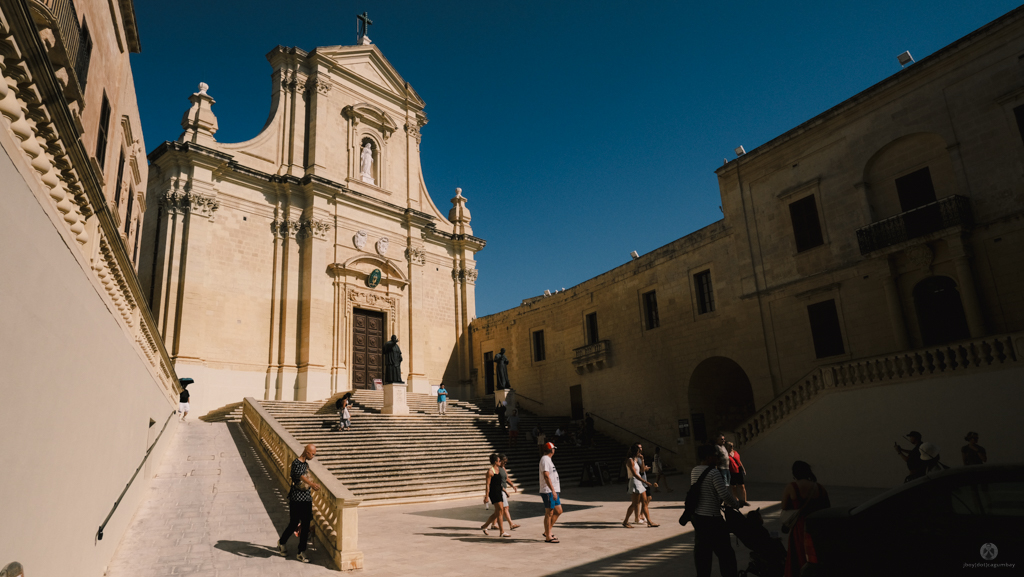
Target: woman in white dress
[{"x": 637, "y": 487}]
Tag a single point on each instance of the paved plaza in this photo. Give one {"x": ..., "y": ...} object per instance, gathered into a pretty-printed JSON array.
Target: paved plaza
[{"x": 214, "y": 510}]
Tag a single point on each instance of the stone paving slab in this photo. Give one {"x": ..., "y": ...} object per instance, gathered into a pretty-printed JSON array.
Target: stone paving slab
[{"x": 225, "y": 524}]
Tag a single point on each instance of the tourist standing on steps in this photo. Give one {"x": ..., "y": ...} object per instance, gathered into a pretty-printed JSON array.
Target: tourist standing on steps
[
  {"x": 505, "y": 483},
  {"x": 300, "y": 504},
  {"x": 549, "y": 491},
  {"x": 723, "y": 458},
  {"x": 501, "y": 411},
  {"x": 710, "y": 532},
  {"x": 183, "y": 402},
  {"x": 513, "y": 428},
  {"x": 344, "y": 417},
  {"x": 442, "y": 399},
  {"x": 494, "y": 495}
]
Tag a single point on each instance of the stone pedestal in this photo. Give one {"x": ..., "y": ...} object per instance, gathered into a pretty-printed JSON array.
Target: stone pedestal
[
  {"x": 395, "y": 402},
  {"x": 499, "y": 396}
]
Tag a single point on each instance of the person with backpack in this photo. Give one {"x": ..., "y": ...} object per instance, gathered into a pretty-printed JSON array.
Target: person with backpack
[{"x": 704, "y": 508}]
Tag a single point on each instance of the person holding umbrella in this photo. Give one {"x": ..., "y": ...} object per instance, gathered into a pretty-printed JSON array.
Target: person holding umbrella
[{"x": 183, "y": 398}]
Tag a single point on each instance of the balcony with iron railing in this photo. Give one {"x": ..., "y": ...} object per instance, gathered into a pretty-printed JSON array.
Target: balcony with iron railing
[{"x": 932, "y": 217}]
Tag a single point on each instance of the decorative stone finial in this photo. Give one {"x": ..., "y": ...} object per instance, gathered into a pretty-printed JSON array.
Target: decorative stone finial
[
  {"x": 203, "y": 87},
  {"x": 199, "y": 122},
  {"x": 459, "y": 214}
]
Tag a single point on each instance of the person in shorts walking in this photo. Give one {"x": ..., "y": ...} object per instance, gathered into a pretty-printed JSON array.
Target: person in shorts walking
[
  {"x": 549, "y": 490},
  {"x": 442, "y": 400},
  {"x": 300, "y": 504}
]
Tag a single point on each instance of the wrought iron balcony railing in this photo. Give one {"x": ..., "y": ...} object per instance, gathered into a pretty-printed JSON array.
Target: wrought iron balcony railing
[{"x": 950, "y": 211}]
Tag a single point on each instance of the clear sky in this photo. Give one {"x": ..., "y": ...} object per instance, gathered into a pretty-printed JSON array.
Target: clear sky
[{"x": 578, "y": 130}]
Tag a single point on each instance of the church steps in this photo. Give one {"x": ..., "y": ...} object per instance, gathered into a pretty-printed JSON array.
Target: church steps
[{"x": 423, "y": 456}]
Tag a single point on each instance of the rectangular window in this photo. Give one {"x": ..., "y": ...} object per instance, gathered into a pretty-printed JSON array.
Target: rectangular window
[
  {"x": 538, "y": 346},
  {"x": 828, "y": 337},
  {"x": 120, "y": 181},
  {"x": 1018, "y": 113},
  {"x": 128, "y": 214},
  {"x": 135, "y": 252},
  {"x": 101, "y": 136},
  {"x": 915, "y": 189},
  {"x": 591, "y": 326},
  {"x": 705, "y": 294},
  {"x": 650, "y": 310},
  {"x": 806, "y": 228},
  {"x": 83, "y": 57}
]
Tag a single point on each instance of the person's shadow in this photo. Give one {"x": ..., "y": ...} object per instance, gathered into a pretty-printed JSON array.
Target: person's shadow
[{"x": 243, "y": 549}]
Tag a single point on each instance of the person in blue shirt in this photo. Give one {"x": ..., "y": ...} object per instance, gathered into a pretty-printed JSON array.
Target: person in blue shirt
[{"x": 442, "y": 400}]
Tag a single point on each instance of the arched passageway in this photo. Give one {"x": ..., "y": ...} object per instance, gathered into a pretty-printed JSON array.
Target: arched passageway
[
  {"x": 940, "y": 312},
  {"x": 720, "y": 397}
]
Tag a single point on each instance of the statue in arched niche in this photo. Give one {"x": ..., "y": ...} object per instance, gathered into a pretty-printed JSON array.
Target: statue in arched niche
[{"x": 366, "y": 163}]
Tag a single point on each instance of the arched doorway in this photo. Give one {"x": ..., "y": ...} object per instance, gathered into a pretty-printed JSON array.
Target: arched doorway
[
  {"x": 720, "y": 397},
  {"x": 940, "y": 312}
]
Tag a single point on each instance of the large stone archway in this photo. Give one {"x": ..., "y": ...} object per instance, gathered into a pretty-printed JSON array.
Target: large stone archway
[{"x": 720, "y": 397}]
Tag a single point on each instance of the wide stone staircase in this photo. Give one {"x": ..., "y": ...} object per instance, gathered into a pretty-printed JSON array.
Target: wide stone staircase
[{"x": 388, "y": 459}]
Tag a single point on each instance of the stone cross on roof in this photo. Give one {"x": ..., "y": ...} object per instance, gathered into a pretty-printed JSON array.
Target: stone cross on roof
[{"x": 361, "y": 31}]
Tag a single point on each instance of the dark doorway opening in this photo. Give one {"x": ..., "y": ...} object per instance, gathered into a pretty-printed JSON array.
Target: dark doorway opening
[
  {"x": 367, "y": 348},
  {"x": 489, "y": 373},
  {"x": 940, "y": 312},
  {"x": 721, "y": 397},
  {"x": 591, "y": 326},
  {"x": 576, "y": 401},
  {"x": 917, "y": 197}
]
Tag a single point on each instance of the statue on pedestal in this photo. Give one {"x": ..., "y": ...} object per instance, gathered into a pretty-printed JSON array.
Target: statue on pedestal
[
  {"x": 366, "y": 163},
  {"x": 393, "y": 362},
  {"x": 501, "y": 370}
]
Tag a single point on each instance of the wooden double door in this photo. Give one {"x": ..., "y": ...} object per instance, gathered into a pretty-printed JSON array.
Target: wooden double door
[{"x": 367, "y": 348}]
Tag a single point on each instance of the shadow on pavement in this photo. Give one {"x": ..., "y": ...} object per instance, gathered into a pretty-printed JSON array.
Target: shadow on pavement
[
  {"x": 476, "y": 513},
  {"x": 244, "y": 549},
  {"x": 664, "y": 557}
]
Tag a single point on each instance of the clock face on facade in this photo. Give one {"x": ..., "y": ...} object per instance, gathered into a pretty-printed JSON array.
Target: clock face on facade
[{"x": 373, "y": 279}]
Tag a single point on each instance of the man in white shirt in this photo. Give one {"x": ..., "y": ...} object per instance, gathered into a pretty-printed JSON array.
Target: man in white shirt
[{"x": 549, "y": 489}]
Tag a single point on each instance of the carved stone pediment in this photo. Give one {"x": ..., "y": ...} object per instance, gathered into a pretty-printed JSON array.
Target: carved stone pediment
[{"x": 372, "y": 116}]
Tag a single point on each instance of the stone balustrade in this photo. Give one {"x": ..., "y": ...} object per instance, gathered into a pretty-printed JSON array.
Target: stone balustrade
[
  {"x": 35, "y": 112},
  {"x": 335, "y": 508},
  {"x": 593, "y": 356},
  {"x": 954, "y": 358}
]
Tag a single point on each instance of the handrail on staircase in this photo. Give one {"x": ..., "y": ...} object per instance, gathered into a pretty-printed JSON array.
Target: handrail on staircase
[
  {"x": 656, "y": 444},
  {"x": 521, "y": 396},
  {"x": 99, "y": 532}
]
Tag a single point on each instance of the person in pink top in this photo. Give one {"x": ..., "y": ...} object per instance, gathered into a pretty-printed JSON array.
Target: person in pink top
[{"x": 736, "y": 474}]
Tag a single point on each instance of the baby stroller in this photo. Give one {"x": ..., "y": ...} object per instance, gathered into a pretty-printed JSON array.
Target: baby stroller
[{"x": 767, "y": 555}]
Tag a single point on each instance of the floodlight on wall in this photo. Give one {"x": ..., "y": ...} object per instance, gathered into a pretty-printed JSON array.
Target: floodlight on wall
[
  {"x": 740, "y": 151},
  {"x": 634, "y": 255},
  {"x": 905, "y": 59}
]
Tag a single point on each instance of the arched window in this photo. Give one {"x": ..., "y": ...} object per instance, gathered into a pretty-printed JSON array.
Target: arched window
[{"x": 940, "y": 312}]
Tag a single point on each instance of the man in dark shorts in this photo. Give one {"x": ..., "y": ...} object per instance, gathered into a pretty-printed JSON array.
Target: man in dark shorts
[
  {"x": 300, "y": 504},
  {"x": 183, "y": 405}
]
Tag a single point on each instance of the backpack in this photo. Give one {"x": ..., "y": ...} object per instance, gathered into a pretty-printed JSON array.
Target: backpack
[{"x": 693, "y": 498}]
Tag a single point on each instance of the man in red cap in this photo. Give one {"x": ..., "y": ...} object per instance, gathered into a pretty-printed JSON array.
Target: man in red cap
[{"x": 549, "y": 489}]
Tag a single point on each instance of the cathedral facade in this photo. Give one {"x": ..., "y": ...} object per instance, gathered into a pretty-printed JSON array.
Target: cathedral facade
[{"x": 278, "y": 267}]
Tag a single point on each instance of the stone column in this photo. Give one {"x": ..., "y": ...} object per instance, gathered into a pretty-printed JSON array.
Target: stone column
[
  {"x": 895, "y": 305},
  {"x": 968, "y": 294}
]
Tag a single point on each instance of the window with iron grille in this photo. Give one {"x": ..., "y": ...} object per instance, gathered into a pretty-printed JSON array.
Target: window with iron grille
[
  {"x": 128, "y": 214},
  {"x": 650, "y": 310},
  {"x": 705, "y": 294},
  {"x": 825, "y": 330},
  {"x": 101, "y": 136},
  {"x": 120, "y": 181},
  {"x": 538, "y": 346},
  {"x": 806, "y": 227},
  {"x": 83, "y": 57}
]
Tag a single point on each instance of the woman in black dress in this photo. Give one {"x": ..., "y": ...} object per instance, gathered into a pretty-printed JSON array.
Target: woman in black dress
[{"x": 493, "y": 494}]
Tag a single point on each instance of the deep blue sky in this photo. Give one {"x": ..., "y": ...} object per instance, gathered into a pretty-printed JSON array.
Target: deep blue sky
[{"x": 579, "y": 131}]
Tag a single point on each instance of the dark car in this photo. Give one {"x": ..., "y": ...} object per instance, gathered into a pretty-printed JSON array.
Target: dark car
[{"x": 967, "y": 520}]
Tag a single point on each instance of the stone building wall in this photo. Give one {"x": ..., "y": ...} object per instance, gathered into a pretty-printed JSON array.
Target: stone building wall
[{"x": 902, "y": 273}]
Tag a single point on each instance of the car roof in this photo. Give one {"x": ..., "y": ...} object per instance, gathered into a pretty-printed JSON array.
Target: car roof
[{"x": 973, "y": 472}]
